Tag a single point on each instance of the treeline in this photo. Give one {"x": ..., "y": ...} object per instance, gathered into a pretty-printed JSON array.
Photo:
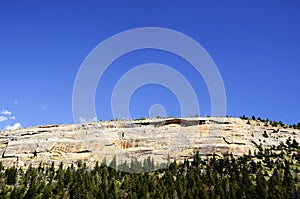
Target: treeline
[
  {"x": 269, "y": 173},
  {"x": 272, "y": 123}
]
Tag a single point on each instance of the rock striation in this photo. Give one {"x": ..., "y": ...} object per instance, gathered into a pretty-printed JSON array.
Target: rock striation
[{"x": 162, "y": 139}]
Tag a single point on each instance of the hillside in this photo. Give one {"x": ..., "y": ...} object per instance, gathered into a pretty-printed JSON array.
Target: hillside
[{"x": 161, "y": 139}]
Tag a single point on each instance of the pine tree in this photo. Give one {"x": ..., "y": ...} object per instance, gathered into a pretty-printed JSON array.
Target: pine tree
[
  {"x": 261, "y": 184},
  {"x": 274, "y": 185},
  {"x": 11, "y": 175}
]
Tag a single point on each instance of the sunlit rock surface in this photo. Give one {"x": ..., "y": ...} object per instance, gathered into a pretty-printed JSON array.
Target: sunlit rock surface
[{"x": 159, "y": 138}]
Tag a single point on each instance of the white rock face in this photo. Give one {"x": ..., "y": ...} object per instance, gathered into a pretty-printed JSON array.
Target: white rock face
[{"x": 158, "y": 138}]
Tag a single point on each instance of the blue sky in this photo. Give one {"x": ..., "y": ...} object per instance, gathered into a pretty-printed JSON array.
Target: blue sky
[{"x": 255, "y": 45}]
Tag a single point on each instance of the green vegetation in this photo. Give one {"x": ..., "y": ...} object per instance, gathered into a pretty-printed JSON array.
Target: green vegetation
[
  {"x": 272, "y": 123},
  {"x": 268, "y": 173},
  {"x": 265, "y": 135}
]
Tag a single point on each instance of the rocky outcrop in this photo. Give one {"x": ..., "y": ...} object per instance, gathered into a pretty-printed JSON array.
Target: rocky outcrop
[{"x": 159, "y": 138}]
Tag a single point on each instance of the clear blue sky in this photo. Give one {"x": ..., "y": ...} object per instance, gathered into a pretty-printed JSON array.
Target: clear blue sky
[{"x": 255, "y": 44}]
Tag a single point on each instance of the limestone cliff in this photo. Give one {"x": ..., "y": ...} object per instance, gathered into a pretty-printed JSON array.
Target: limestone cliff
[{"x": 159, "y": 138}]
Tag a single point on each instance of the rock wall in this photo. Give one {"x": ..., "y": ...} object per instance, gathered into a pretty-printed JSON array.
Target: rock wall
[{"x": 159, "y": 138}]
